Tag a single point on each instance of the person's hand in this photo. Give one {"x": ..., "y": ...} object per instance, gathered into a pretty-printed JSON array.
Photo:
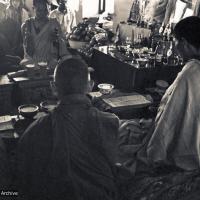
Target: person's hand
[
  {"x": 131, "y": 126},
  {"x": 146, "y": 123},
  {"x": 131, "y": 132},
  {"x": 134, "y": 131},
  {"x": 131, "y": 135}
]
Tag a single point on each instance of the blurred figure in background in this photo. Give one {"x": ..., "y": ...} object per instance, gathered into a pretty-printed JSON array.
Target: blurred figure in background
[
  {"x": 197, "y": 8},
  {"x": 59, "y": 14},
  {"x": 42, "y": 37},
  {"x": 18, "y": 11},
  {"x": 154, "y": 11},
  {"x": 10, "y": 39},
  {"x": 177, "y": 10},
  {"x": 2, "y": 10},
  {"x": 64, "y": 16}
]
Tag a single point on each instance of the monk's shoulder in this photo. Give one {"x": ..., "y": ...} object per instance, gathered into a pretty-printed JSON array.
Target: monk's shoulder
[
  {"x": 191, "y": 68},
  {"x": 39, "y": 128},
  {"x": 105, "y": 118}
]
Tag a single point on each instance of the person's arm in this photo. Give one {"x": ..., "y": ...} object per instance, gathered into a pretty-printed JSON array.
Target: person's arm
[
  {"x": 109, "y": 125},
  {"x": 169, "y": 11},
  {"x": 28, "y": 43},
  {"x": 73, "y": 20},
  {"x": 23, "y": 151},
  {"x": 27, "y": 9},
  {"x": 8, "y": 13}
]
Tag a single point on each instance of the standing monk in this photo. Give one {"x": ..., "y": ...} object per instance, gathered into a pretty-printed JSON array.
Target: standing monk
[{"x": 42, "y": 37}]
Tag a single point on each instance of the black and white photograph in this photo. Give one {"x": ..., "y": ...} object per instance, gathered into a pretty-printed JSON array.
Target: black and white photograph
[{"x": 99, "y": 99}]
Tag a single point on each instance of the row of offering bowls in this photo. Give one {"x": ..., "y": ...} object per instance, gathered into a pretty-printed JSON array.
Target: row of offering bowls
[{"x": 30, "y": 110}]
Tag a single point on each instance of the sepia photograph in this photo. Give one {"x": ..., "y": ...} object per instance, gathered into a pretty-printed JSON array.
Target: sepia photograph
[{"x": 99, "y": 99}]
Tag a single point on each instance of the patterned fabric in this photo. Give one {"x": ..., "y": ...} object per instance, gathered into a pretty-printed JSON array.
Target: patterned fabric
[{"x": 171, "y": 186}]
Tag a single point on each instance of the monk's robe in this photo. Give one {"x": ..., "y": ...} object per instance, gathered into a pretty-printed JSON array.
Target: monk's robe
[
  {"x": 5, "y": 173},
  {"x": 70, "y": 154},
  {"x": 176, "y": 138},
  {"x": 44, "y": 48}
]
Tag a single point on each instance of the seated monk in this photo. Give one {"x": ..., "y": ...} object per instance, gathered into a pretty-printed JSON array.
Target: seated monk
[
  {"x": 42, "y": 37},
  {"x": 177, "y": 122},
  {"x": 173, "y": 145},
  {"x": 70, "y": 153}
]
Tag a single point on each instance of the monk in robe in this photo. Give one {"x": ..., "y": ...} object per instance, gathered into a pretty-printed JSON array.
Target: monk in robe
[
  {"x": 174, "y": 139},
  {"x": 64, "y": 16},
  {"x": 177, "y": 128},
  {"x": 70, "y": 153},
  {"x": 42, "y": 37},
  {"x": 155, "y": 11},
  {"x": 167, "y": 160},
  {"x": 176, "y": 6}
]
